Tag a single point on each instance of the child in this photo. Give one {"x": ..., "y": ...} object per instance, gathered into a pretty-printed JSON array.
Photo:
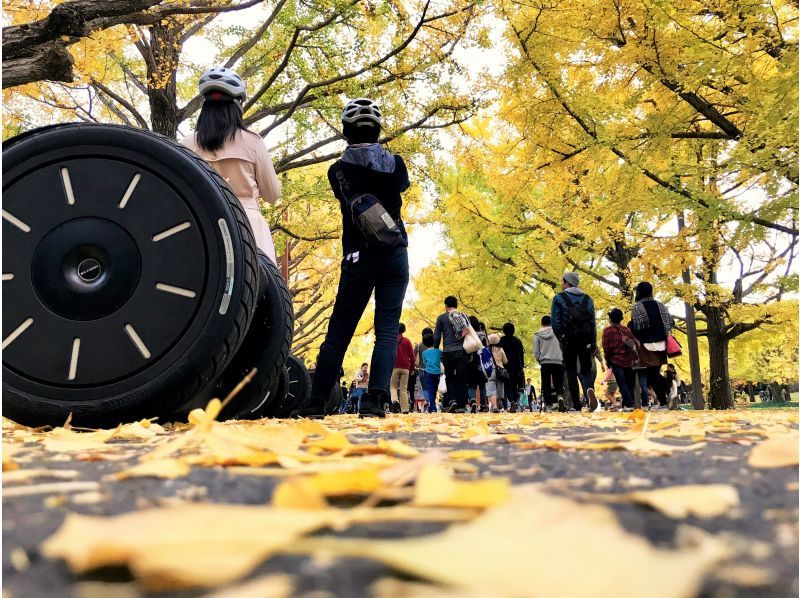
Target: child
[
  {"x": 420, "y": 400},
  {"x": 432, "y": 358}
]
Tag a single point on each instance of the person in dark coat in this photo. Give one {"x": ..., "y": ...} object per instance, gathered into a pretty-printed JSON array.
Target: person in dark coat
[
  {"x": 651, "y": 323},
  {"x": 515, "y": 352}
]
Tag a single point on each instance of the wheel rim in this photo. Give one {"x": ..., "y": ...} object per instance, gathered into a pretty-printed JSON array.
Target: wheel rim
[{"x": 104, "y": 266}]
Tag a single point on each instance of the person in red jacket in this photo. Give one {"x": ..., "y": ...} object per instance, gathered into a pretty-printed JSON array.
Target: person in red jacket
[
  {"x": 619, "y": 348},
  {"x": 403, "y": 366}
]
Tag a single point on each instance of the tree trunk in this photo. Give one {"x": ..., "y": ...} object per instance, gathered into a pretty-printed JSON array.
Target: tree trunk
[
  {"x": 163, "y": 53},
  {"x": 719, "y": 396},
  {"x": 750, "y": 392}
]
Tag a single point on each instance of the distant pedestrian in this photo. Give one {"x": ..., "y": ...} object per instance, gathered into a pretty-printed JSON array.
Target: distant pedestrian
[
  {"x": 361, "y": 383},
  {"x": 620, "y": 350},
  {"x": 476, "y": 379},
  {"x": 495, "y": 387},
  {"x": 547, "y": 351},
  {"x": 573, "y": 320},
  {"x": 651, "y": 323},
  {"x": 419, "y": 372},
  {"x": 515, "y": 352},
  {"x": 432, "y": 364},
  {"x": 448, "y": 332},
  {"x": 403, "y": 366}
]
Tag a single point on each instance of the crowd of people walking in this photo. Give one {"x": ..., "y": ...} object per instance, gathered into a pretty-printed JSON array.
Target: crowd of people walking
[{"x": 458, "y": 366}]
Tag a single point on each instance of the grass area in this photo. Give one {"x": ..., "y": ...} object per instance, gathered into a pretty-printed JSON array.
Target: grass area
[{"x": 773, "y": 405}]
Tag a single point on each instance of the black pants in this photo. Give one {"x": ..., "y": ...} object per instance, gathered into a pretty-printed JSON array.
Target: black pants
[
  {"x": 572, "y": 355},
  {"x": 385, "y": 272},
  {"x": 552, "y": 379},
  {"x": 455, "y": 365}
]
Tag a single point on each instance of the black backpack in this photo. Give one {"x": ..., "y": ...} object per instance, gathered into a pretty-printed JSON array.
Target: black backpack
[{"x": 580, "y": 321}]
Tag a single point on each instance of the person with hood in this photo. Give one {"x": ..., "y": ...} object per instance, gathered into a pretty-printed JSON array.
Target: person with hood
[
  {"x": 368, "y": 168},
  {"x": 238, "y": 155},
  {"x": 403, "y": 366},
  {"x": 651, "y": 323},
  {"x": 573, "y": 319},
  {"x": 547, "y": 351}
]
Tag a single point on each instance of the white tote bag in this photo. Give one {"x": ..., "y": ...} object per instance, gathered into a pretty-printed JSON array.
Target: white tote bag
[
  {"x": 472, "y": 342},
  {"x": 442, "y": 385}
]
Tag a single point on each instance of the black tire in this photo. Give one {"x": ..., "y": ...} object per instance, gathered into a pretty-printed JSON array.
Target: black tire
[
  {"x": 334, "y": 400},
  {"x": 274, "y": 406},
  {"x": 111, "y": 212},
  {"x": 298, "y": 388},
  {"x": 265, "y": 347}
]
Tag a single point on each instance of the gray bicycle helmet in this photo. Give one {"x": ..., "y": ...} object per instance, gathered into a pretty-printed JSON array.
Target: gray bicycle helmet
[
  {"x": 362, "y": 112},
  {"x": 222, "y": 79}
]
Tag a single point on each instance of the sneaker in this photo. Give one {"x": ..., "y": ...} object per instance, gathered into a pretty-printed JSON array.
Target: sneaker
[
  {"x": 562, "y": 407},
  {"x": 627, "y": 409},
  {"x": 512, "y": 409},
  {"x": 309, "y": 411},
  {"x": 473, "y": 407},
  {"x": 371, "y": 405},
  {"x": 592, "y": 400},
  {"x": 452, "y": 407},
  {"x": 395, "y": 408},
  {"x": 673, "y": 403}
]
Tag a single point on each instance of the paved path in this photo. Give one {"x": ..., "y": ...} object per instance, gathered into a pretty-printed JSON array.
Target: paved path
[{"x": 761, "y": 532}]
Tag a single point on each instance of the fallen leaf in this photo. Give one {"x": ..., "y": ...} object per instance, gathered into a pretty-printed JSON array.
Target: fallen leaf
[
  {"x": 8, "y": 458},
  {"x": 273, "y": 586},
  {"x": 194, "y": 545},
  {"x": 52, "y": 488},
  {"x": 436, "y": 487},
  {"x": 160, "y": 468},
  {"x": 534, "y": 523},
  {"x": 702, "y": 500},
  {"x": 299, "y": 493},
  {"x": 778, "y": 451},
  {"x": 24, "y": 475},
  {"x": 465, "y": 455}
]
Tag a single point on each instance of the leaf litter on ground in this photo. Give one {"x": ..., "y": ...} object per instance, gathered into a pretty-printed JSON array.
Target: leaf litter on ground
[{"x": 365, "y": 461}]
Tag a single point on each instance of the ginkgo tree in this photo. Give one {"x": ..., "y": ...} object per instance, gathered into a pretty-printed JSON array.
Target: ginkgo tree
[{"x": 614, "y": 118}]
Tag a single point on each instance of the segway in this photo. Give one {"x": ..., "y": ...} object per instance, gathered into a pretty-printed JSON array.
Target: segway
[{"x": 130, "y": 279}]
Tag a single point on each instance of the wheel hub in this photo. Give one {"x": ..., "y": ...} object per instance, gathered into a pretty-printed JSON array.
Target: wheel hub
[{"x": 85, "y": 268}]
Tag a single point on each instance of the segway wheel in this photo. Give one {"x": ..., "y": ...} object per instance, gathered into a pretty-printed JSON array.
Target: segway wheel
[
  {"x": 265, "y": 347},
  {"x": 129, "y": 275},
  {"x": 298, "y": 388},
  {"x": 335, "y": 400}
]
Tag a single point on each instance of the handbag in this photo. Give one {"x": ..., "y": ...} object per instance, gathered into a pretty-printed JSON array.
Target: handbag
[
  {"x": 673, "y": 347},
  {"x": 370, "y": 217},
  {"x": 472, "y": 342},
  {"x": 442, "y": 385}
]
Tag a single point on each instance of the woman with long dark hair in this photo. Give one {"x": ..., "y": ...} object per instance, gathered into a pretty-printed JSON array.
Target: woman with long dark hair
[{"x": 238, "y": 155}]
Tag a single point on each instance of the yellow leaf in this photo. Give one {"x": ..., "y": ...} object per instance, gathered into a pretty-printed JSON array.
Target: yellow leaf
[
  {"x": 512, "y": 532},
  {"x": 436, "y": 488},
  {"x": 194, "y": 545},
  {"x": 477, "y": 430},
  {"x": 465, "y": 455},
  {"x": 778, "y": 451},
  {"x": 299, "y": 493},
  {"x": 702, "y": 500},
  {"x": 333, "y": 442},
  {"x": 63, "y": 440},
  {"x": 157, "y": 468},
  {"x": 8, "y": 458}
]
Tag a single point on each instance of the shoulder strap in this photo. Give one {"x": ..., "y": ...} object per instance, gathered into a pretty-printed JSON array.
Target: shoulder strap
[{"x": 344, "y": 186}]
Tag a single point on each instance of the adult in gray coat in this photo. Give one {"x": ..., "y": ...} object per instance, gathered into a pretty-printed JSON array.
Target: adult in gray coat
[{"x": 547, "y": 350}]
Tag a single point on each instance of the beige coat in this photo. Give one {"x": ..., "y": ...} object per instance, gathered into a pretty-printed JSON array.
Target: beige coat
[{"x": 246, "y": 166}]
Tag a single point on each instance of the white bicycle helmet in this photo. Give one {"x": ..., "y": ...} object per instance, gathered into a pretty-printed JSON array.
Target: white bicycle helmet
[
  {"x": 222, "y": 79},
  {"x": 362, "y": 112}
]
